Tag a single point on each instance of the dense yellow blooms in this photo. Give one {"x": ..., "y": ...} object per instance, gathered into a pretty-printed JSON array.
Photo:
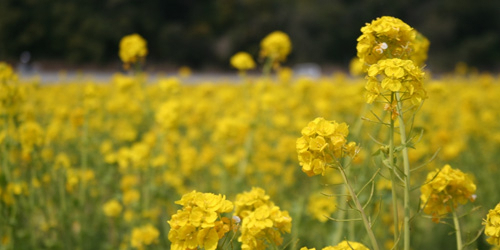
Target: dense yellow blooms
[
  {"x": 144, "y": 236},
  {"x": 420, "y": 48},
  {"x": 30, "y": 135},
  {"x": 395, "y": 75},
  {"x": 11, "y": 94},
  {"x": 168, "y": 114},
  {"x": 344, "y": 245},
  {"x": 322, "y": 143},
  {"x": 242, "y": 61},
  {"x": 199, "y": 223},
  {"x": 347, "y": 245},
  {"x": 6, "y": 73},
  {"x": 321, "y": 206},
  {"x": 492, "y": 226},
  {"x": 444, "y": 190},
  {"x": 132, "y": 49},
  {"x": 224, "y": 136},
  {"x": 262, "y": 222},
  {"x": 275, "y": 46},
  {"x": 389, "y": 37},
  {"x": 112, "y": 208}
]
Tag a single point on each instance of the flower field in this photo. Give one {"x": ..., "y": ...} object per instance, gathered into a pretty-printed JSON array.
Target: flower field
[{"x": 276, "y": 161}]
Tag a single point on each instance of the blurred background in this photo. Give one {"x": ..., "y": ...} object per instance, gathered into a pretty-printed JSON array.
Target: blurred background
[{"x": 204, "y": 34}]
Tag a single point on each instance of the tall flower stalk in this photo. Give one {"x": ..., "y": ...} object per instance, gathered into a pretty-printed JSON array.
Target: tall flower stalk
[
  {"x": 323, "y": 144},
  {"x": 392, "y": 53}
]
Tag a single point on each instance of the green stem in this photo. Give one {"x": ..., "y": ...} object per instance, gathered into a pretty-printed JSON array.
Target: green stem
[
  {"x": 393, "y": 182},
  {"x": 81, "y": 192},
  {"x": 298, "y": 212},
  {"x": 458, "y": 232},
  {"x": 5, "y": 155},
  {"x": 267, "y": 66},
  {"x": 339, "y": 228},
  {"x": 360, "y": 209},
  {"x": 406, "y": 162}
]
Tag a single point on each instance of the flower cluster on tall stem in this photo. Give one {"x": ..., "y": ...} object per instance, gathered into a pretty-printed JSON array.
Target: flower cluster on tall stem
[{"x": 392, "y": 53}]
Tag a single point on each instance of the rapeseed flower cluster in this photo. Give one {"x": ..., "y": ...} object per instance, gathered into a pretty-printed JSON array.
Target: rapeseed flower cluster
[
  {"x": 321, "y": 206},
  {"x": 492, "y": 226},
  {"x": 344, "y": 245},
  {"x": 112, "y": 208},
  {"x": 133, "y": 48},
  {"x": 242, "y": 61},
  {"x": 144, "y": 236},
  {"x": 322, "y": 143},
  {"x": 275, "y": 47},
  {"x": 444, "y": 190},
  {"x": 395, "y": 75},
  {"x": 199, "y": 223},
  {"x": 11, "y": 94},
  {"x": 388, "y": 37},
  {"x": 262, "y": 222}
]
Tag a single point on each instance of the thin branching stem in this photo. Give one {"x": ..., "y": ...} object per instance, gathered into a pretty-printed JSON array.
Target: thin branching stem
[
  {"x": 458, "y": 232},
  {"x": 393, "y": 181},
  {"x": 407, "y": 172},
  {"x": 360, "y": 209}
]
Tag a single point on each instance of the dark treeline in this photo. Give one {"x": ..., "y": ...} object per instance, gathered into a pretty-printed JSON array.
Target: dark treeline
[{"x": 201, "y": 33}]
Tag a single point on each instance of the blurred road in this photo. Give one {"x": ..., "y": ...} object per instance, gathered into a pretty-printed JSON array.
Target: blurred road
[
  {"x": 49, "y": 77},
  {"x": 71, "y": 76}
]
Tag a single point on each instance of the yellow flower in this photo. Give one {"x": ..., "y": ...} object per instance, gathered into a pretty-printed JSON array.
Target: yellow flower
[
  {"x": 131, "y": 196},
  {"x": 197, "y": 223},
  {"x": 320, "y": 206},
  {"x": 170, "y": 85},
  {"x": 6, "y": 72},
  {"x": 347, "y": 245},
  {"x": 385, "y": 37},
  {"x": 62, "y": 160},
  {"x": 128, "y": 181},
  {"x": 321, "y": 142},
  {"x": 492, "y": 226},
  {"x": 242, "y": 61},
  {"x": 132, "y": 49},
  {"x": 31, "y": 135},
  {"x": 144, "y": 236},
  {"x": 395, "y": 75},
  {"x": 275, "y": 46},
  {"x": 356, "y": 67},
  {"x": 444, "y": 190},
  {"x": 112, "y": 208},
  {"x": 420, "y": 48},
  {"x": 167, "y": 114},
  {"x": 262, "y": 222}
]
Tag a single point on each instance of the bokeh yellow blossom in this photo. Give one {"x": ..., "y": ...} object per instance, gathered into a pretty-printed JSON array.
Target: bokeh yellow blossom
[
  {"x": 112, "y": 208},
  {"x": 133, "y": 48},
  {"x": 321, "y": 206},
  {"x": 242, "y": 61},
  {"x": 276, "y": 46},
  {"x": 144, "y": 236},
  {"x": 347, "y": 245}
]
